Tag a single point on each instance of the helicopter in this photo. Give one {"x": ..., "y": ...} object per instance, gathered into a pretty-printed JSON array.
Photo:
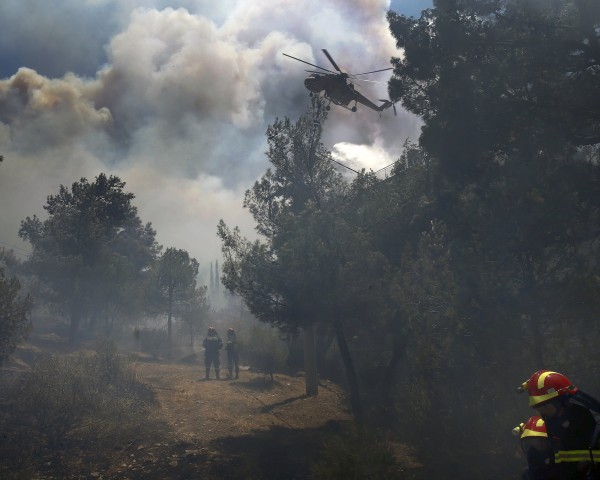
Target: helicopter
[{"x": 337, "y": 87}]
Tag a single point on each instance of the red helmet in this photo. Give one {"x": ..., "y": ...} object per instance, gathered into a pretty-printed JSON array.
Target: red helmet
[
  {"x": 533, "y": 435},
  {"x": 545, "y": 385},
  {"x": 534, "y": 427}
]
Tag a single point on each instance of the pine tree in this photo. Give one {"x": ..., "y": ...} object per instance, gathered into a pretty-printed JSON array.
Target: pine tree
[{"x": 217, "y": 277}]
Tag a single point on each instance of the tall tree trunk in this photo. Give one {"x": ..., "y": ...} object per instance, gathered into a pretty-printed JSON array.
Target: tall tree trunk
[
  {"x": 390, "y": 370},
  {"x": 530, "y": 311},
  {"x": 170, "y": 314},
  {"x": 74, "y": 326},
  {"x": 399, "y": 349},
  {"x": 355, "y": 402},
  {"x": 322, "y": 344},
  {"x": 310, "y": 361},
  {"x": 75, "y": 314}
]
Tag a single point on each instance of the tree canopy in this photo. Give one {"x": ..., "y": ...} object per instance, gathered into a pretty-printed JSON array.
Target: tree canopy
[
  {"x": 14, "y": 314},
  {"x": 443, "y": 286},
  {"x": 91, "y": 250},
  {"x": 508, "y": 92},
  {"x": 176, "y": 274},
  {"x": 483, "y": 242}
]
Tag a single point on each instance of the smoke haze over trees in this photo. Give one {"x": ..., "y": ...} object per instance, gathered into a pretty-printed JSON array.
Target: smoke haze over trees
[
  {"x": 173, "y": 97},
  {"x": 176, "y": 275},
  {"x": 428, "y": 295},
  {"x": 91, "y": 251},
  {"x": 14, "y": 314},
  {"x": 486, "y": 237}
]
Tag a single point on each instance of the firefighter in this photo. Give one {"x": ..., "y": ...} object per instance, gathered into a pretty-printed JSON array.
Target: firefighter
[
  {"x": 572, "y": 420},
  {"x": 537, "y": 449},
  {"x": 212, "y": 344},
  {"x": 233, "y": 358}
]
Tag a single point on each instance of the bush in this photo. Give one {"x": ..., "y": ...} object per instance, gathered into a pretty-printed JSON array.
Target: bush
[
  {"x": 154, "y": 342},
  {"x": 357, "y": 455},
  {"x": 92, "y": 397},
  {"x": 14, "y": 315},
  {"x": 263, "y": 350}
]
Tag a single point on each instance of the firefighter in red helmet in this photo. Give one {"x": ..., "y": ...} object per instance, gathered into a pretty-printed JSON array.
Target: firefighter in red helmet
[
  {"x": 572, "y": 420},
  {"x": 537, "y": 449}
]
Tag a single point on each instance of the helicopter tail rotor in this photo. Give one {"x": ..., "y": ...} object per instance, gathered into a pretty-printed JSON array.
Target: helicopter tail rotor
[{"x": 388, "y": 104}]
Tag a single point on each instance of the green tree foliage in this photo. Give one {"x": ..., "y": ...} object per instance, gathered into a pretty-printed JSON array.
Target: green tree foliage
[
  {"x": 176, "y": 274},
  {"x": 303, "y": 177},
  {"x": 92, "y": 250},
  {"x": 315, "y": 269},
  {"x": 477, "y": 262},
  {"x": 512, "y": 75},
  {"x": 392, "y": 215},
  {"x": 509, "y": 94},
  {"x": 14, "y": 315},
  {"x": 249, "y": 270},
  {"x": 336, "y": 277},
  {"x": 195, "y": 312}
]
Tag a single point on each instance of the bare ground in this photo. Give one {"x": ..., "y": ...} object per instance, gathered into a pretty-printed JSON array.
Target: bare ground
[
  {"x": 199, "y": 410},
  {"x": 253, "y": 428},
  {"x": 250, "y": 428}
]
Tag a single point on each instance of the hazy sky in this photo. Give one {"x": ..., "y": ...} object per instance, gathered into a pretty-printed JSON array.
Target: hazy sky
[{"x": 174, "y": 97}]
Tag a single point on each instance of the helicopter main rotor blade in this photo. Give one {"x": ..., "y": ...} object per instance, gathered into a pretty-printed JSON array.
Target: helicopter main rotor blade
[
  {"x": 374, "y": 71},
  {"x": 363, "y": 80},
  {"x": 331, "y": 60},
  {"x": 312, "y": 65}
]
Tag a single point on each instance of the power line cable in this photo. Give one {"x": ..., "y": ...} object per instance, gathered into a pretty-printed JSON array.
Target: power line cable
[{"x": 20, "y": 251}]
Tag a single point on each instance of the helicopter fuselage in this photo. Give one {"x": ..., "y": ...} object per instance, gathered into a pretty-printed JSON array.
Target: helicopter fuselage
[{"x": 336, "y": 88}]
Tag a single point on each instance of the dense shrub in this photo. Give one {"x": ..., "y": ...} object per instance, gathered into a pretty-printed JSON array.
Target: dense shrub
[
  {"x": 263, "y": 350},
  {"x": 14, "y": 315},
  {"x": 153, "y": 342},
  {"x": 357, "y": 455},
  {"x": 89, "y": 397}
]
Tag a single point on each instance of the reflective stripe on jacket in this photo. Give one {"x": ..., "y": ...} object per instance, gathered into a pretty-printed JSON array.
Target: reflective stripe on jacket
[
  {"x": 212, "y": 344},
  {"x": 577, "y": 456}
]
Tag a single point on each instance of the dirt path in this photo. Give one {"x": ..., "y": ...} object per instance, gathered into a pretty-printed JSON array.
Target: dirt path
[
  {"x": 203, "y": 411},
  {"x": 251, "y": 428}
]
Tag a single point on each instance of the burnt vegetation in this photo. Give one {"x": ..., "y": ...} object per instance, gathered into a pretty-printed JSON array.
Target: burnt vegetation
[{"x": 427, "y": 296}]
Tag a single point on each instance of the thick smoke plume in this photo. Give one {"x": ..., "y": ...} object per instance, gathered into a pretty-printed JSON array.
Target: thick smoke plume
[{"x": 175, "y": 97}]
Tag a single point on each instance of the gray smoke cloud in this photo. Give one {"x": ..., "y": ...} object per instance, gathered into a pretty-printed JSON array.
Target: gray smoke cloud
[{"x": 174, "y": 97}]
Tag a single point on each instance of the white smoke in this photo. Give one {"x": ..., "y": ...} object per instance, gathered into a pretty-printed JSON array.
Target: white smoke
[{"x": 178, "y": 102}]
